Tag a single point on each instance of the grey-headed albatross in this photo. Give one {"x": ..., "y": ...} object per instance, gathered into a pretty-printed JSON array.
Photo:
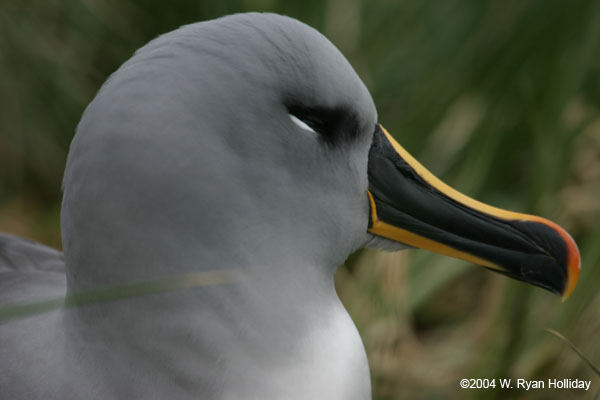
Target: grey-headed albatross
[{"x": 213, "y": 186}]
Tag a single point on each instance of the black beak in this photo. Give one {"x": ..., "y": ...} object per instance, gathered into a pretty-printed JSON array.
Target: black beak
[{"x": 411, "y": 206}]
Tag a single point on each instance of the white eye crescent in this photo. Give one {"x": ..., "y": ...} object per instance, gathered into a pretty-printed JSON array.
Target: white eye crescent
[{"x": 301, "y": 123}]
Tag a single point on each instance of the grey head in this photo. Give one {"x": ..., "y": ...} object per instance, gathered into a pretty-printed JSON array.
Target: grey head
[
  {"x": 189, "y": 158},
  {"x": 249, "y": 141}
]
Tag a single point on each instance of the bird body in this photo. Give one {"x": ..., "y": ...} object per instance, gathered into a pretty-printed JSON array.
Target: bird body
[{"x": 184, "y": 343}]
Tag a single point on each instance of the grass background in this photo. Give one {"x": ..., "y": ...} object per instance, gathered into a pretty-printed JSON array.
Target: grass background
[{"x": 499, "y": 98}]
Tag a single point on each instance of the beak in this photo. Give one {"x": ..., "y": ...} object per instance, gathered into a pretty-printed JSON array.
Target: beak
[{"x": 411, "y": 206}]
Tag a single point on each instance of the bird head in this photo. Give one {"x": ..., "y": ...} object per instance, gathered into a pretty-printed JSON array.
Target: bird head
[{"x": 253, "y": 133}]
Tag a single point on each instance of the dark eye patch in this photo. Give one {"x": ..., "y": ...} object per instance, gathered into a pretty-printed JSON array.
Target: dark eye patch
[{"x": 332, "y": 124}]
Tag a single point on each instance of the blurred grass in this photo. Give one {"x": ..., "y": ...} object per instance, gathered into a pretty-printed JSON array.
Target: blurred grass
[{"x": 500, "y": 98}]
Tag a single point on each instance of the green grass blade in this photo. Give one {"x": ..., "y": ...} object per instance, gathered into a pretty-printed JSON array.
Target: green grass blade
[{"x": 576, "y": 350}]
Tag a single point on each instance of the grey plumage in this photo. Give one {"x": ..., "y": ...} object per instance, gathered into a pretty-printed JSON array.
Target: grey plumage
[
  {"x": 29, "y": 271},
  {"x": 187, "y": 161}
]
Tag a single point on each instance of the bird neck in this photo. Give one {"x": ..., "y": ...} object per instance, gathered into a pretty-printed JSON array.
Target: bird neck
[{"x": 278, "y": 325}]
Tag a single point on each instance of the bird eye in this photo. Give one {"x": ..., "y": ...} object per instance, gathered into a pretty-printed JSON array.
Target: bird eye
[
  {"x": 330, "y": 124},
  {"x": 301, "y": 123}
]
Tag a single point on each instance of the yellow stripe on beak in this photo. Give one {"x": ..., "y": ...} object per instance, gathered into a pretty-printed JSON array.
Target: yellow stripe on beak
[{"x": 406, "y": 236}]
